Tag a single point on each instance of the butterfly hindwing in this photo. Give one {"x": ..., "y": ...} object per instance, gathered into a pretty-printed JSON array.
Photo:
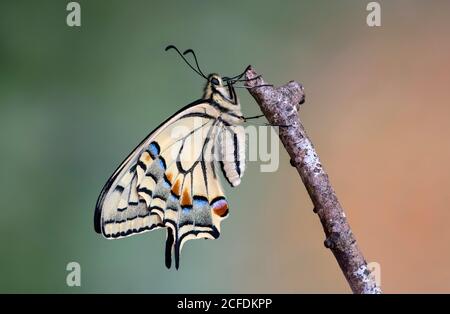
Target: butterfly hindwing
[{"x": 169, "y": 181}]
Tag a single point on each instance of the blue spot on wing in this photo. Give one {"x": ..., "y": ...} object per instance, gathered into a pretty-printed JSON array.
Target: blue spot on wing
[
  {"x": 162, "y": 163},
  {"x": 172, "y": 198},
  {"x": 186, "y": 209},
  {"x": 200, "y": 201},
  {"x": 154, "y": 149},
  {"x": 166, "y": 183}
]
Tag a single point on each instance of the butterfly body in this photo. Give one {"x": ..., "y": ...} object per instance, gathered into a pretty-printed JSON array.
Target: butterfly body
[{"x": 171, "y": 179}]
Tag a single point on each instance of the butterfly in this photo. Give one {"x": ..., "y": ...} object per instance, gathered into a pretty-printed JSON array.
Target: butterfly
[{"x": 170, "y": 180}]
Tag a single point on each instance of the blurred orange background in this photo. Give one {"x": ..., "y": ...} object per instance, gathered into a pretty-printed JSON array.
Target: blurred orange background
[{"x": 378, "y": 112}]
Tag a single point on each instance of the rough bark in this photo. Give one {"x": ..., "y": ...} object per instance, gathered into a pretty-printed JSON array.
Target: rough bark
[{"x": 280, "y": 106}]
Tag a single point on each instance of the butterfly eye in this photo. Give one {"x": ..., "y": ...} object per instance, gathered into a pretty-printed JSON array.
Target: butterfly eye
[{"x": 215, "y": 81}]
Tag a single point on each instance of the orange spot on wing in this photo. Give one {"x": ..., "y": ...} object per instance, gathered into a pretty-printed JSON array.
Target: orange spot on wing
[
  {"x": 185, "y": 198},
  {"x": 169, "y": 176},
  {"x": 147, "y": 156},
  {"x": 176, "y": 188},
  {"x": 220, "y": 208}
]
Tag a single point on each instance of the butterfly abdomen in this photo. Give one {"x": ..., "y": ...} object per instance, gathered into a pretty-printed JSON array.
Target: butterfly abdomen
[{"x": 232, "y": 153}]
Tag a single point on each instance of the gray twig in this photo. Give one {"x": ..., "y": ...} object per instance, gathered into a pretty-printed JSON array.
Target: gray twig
[{"x": 280, "y": 106}]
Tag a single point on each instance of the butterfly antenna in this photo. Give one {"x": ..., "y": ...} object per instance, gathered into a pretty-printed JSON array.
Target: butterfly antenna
[
  {"x": 184, "y": 59},
  {"x": 196, "y": 61}
]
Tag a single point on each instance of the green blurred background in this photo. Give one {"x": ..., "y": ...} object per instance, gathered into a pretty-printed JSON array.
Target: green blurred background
[{"x": 75, "y": 101}]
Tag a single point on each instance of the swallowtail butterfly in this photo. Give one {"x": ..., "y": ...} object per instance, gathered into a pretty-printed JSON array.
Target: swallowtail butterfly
[{"x": 172, "y": 181}]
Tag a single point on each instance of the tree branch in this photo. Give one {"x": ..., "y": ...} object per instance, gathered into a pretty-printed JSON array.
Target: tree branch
[{"x": 280, "y": 106}]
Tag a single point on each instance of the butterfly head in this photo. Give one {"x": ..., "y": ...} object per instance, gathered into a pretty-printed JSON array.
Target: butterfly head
[
  {"x": 221, "y": 93},
  {"x": 218, "y": 88}
]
